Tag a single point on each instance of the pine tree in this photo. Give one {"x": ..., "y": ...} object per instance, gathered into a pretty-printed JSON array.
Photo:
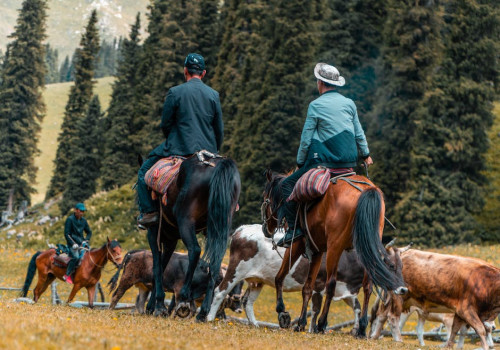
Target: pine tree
[
  {"x": 120, "y": 156},
  {"x": 106, "y": 60},
  {"x": 64, "y": 71},
  {"x": 21, "y": 104},
  {"x": 77, "y": 105},
  {"x": 208, "y": 35},
  {"x": 51, "y": 61},
  {"x": 451, "y": 134},
  {"x": 408, "y": 63},
  {"x": 84, "y": 165}
]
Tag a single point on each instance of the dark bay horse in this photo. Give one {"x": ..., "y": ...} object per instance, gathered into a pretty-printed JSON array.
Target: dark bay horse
[
  {"x": 343, "y": 218},
  {"x": 86, "y": 275},
  {"x": 203, "y": 198}
]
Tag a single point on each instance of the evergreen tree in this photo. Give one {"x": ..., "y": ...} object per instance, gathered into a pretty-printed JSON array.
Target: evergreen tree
[
  {"x": 84, "y": 165},
  {"x": 106, "y": 60},
  {"x": 207, "y": 36},
  {"x": 120, "y": 156},
  {"x": 451, "y": 134},
  {"x": 408, "y": 63},
  {"x": 77, "y": 105},
  {"x": 21, "y": 104},
  {"x": 51, "y": 61},
  {"x": 64, "y": 71}
]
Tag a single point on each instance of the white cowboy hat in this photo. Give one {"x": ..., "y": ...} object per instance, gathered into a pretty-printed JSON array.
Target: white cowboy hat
[{"x": 329, "y": 74}]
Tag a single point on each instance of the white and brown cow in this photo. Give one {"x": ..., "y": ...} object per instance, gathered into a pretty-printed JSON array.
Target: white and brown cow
[
  {"x": 468, "y": 288},
  {"x": 253, "y": 259}
]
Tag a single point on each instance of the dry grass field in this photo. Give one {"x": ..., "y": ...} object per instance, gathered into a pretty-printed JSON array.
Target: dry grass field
[{"x": 44, "y": 326}]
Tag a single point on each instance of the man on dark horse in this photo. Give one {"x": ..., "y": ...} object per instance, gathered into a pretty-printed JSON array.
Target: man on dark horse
[
  {"x": 331, "y": 137},
  {"x": 191, "y": 122},
  {"x": 74, "y": 227}
]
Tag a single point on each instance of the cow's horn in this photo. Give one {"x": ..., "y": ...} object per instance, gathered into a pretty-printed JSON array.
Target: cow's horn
[
  {"x": 402, "y": 250},
  {"x": 390, "y": 244}
]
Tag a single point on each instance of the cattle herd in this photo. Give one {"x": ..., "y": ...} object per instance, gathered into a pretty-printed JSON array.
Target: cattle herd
[{"x": 460, "y": 292}]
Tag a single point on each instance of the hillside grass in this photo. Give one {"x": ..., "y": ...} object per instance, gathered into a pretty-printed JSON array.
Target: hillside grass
[
  {"x": 44, "y": 326},
  {"x": 56, "y": 97}
]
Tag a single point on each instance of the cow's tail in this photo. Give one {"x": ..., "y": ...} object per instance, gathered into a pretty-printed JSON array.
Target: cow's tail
[
  {"x": 366, "y": 237},
  {"x": 29, "y": 275},
  {"x": 223, "y": 197}
]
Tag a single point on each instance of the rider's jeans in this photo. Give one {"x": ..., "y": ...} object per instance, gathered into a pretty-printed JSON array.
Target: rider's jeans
[{"x": 146, "y": 203}]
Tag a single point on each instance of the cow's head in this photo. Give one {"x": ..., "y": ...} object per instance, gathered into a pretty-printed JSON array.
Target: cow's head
[{"x": 393, "y": 260}]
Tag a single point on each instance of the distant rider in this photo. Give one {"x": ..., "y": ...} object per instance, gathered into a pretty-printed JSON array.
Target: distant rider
[{"x": 74, "y": 227}]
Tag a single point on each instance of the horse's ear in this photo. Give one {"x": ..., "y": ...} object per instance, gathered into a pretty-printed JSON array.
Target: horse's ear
[
  {"x": 269, "y": 175},
  {"x": 107, "y": 238}
]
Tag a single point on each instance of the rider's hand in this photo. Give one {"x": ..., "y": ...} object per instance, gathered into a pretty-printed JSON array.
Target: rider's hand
[
  {"x": 75, "y": 246},
  {"x": 85, "y": 244},
  {"x": 368, "y": 161}
]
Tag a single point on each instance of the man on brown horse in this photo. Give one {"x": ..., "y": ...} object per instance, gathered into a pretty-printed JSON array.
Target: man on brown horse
[
  {"x": 191, "y": 122},
  {"x": 74, "y": 227},
  {"x": 331, "y": 137}
]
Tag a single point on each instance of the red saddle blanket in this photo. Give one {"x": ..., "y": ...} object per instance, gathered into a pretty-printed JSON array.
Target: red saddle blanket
[
  {"x": 314, "y": 183},
  {"x": 162, "y": 175}
]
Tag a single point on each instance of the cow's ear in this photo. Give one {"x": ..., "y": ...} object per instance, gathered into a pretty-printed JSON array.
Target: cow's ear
[{"x": 269, "y": 175}]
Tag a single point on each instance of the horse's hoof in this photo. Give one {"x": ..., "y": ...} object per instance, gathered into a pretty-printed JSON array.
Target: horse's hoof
[
  {"x": 201, "y": 318},
  {"x": 160, "y": 312},
  {"x": 284, "y": 319},
  {"x": 298, "y": 328},
  {"x": 358, "y": 334},
  {"x": 183, "y": 310}
]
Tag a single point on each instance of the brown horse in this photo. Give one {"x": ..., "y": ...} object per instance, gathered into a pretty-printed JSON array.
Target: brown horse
[
  {"x": 350, "y": 214},
  {"x": 86, "y": 275}
]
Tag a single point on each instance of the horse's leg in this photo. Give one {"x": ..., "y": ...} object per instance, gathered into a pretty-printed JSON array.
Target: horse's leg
[
  {"x": 254, "y": 291},
  {"x": 157, "y": 293},
  {"x": 91, "y": 295},
  {"x": 297, "y": 249},
  {"x": 332, "y": 261},
  {"x": 207, "y": 301},
  {"x": 42, "y": 284},
  {"x": 171, "y": 305},
  {"x": 76, "y": 288},
  {"x": 367, "y": 292},
  {"x": 308, "y": 288},
  {"x": 317, "y": 300},
  {"x": 188, "y": 236}
]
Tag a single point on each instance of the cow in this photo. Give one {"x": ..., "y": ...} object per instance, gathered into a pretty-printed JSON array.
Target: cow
[
  {"x": 445, "y": 318},
  {"x": 252, "y": 259},
  {"x": 137, "y": 269},
  {"x": 468, "y": 288}
]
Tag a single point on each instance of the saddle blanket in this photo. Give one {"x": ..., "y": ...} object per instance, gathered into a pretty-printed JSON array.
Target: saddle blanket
[
  {"x": 161, "y": 175},
  {"x": 63, "y": 260},
  {"x": 314, "y": 183}
]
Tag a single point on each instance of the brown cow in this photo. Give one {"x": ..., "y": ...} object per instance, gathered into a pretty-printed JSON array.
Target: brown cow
[{"x": 466, "y": 287}]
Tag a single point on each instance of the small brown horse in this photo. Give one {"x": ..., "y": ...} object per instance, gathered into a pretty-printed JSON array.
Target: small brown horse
[
  {"x": 86, "y": 275},
  {"x": 351, "y": 213}
]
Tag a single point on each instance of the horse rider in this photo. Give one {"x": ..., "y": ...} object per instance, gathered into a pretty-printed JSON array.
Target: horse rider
[
  {"x": 74, "y": 227},
  {"x": 191, "y": 121},
  {"x": 331, "y": 138}
]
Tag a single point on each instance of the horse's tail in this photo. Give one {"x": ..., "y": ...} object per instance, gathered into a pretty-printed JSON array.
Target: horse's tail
[
  {"x": 369, "y": 248},
  {"x": 223, "y": 197},
  {"x": 29, "y": 275}
]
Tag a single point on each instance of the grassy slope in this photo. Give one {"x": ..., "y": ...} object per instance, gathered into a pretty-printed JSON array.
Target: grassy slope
[{"x": 56, "y": 97}]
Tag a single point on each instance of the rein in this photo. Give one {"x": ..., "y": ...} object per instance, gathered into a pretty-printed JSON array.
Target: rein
[
  {"x": 265, "y": 220},
  {"x": 113, "y": 260}
]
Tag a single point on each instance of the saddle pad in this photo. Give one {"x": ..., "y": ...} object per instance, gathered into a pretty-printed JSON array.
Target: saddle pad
[
  {"x": 311, "y": 185},
  {"x": 162, "y": 174},
  {"x": 63, "y": 260}
]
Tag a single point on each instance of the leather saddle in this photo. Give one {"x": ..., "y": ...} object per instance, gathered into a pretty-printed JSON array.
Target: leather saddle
[{"x": 63, "y": 260}]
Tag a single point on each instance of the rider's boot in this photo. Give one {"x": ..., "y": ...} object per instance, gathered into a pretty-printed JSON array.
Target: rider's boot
[
  {"x": 148, "y": 219},
  {"x": 67, "y": 279},
  {"x": 291, "y": 235}
]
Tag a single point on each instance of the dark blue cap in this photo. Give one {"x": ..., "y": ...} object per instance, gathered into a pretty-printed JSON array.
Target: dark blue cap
[
  {"x": 80, "y": 206},
  {"x": 194, "y": 61}
]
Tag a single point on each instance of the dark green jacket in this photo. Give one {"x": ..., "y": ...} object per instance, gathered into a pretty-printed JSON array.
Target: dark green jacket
[
  {"x": 74, "y": 228},
  {"x": 191, "y": 120}
]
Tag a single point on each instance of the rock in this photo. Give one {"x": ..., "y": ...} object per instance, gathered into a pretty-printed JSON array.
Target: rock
[
  {"x": 45, "y": 219},
  {"x": 11, "y": 233}
]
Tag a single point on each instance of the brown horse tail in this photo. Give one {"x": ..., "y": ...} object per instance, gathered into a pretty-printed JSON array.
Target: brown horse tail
[
  {"x": 112, "y": 282},
  {"x": 366, "y": 239},
  {"x": 29, "y": 275}
]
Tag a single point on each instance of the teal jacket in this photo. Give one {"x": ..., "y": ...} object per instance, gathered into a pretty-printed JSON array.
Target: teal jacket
[{"x": 332, "y": 133}]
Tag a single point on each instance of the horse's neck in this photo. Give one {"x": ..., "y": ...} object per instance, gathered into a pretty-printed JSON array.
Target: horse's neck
[{"x": 98, "y": 257}]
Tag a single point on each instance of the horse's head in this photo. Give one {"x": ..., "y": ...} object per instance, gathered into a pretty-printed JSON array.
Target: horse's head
[
  {"x": 271, "y": 218},
  {"x": 114, "y": 251}
]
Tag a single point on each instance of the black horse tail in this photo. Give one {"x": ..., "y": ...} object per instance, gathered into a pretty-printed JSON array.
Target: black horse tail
[
  {"x": 29, "y": 275},
  {"x": 224, "y": 193},
  {"x": 369, "y": 248}
]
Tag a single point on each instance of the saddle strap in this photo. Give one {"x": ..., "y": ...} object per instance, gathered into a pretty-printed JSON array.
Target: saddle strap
[{"x": 306, "y": 208}]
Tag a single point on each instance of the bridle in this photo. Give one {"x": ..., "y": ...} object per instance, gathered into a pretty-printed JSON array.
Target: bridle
[
  {"x": 109, "y": 253},
  {"x": 263, "y": 214}
]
